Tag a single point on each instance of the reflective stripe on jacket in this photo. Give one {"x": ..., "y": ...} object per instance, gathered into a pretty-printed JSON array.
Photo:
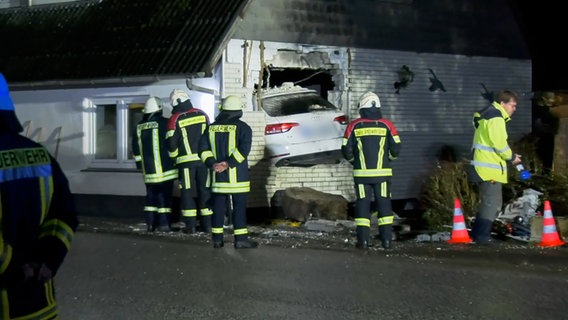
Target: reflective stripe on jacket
[
  {"x": 39, "y": 220},
  {"x": 184, "y": 132},
  {"x": 229, "y": 139},
  {"x": 150, "y": 153},
  {"x": 370, "y": 145},
  {"x": 490, "y": 148}
]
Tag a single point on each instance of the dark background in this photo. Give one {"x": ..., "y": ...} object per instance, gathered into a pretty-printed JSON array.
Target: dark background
[{"x": 544, "y": 26}]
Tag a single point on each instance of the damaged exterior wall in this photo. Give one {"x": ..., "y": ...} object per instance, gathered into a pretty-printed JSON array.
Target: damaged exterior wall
[
  {"x": 426, "y": 120},
  {"x": 365, "y": 43}
]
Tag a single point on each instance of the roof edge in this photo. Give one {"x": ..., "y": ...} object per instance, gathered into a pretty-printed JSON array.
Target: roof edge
[
  {"x": 94, "y": 83},
  {"x": 223, "y": 41}
]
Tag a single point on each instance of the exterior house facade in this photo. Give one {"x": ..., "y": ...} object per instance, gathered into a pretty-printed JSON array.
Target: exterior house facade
[{"x": 433, "y": 63}]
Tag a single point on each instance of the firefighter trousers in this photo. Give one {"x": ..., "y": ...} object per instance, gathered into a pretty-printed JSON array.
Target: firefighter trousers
[
  {"x": 239, "y": 215},
  {"x": 385, "y": 217},
  {"x": 195, "y": 196},
  {"x": 158, "y": 206}
]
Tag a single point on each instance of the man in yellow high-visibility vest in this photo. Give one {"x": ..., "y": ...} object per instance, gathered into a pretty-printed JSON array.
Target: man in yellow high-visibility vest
[{"x": 490, "y": 154}]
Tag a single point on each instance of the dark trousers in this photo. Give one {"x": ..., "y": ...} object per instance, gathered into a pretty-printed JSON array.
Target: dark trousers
[
  {"x": 381, "y": 193},
  {"x": 194, "y": 195},
  {"x": 239, "y": 215},
  {"x": 158, "y": 206}
]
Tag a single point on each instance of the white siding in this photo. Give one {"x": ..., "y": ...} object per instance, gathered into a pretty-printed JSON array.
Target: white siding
[
  {"x": 425, "y": 120},
  {"x": 47, "y": 110}
]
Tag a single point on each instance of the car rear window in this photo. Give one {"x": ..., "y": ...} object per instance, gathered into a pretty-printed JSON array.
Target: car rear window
[{"x": 295, "y": 103}]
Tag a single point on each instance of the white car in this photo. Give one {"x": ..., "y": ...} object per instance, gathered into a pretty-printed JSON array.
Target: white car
[{"x": 302, "y": 128}]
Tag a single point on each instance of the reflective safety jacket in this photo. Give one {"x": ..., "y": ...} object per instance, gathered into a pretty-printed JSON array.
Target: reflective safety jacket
[
  {"x": 150, "y": 153},
  {"x": 490, "y": 150},
  {"x": 39, "y": 221},
  {"x": 185, "y": 128},
  {"x": 370, "y": 145},
  {"x": 228, "y": 139}
]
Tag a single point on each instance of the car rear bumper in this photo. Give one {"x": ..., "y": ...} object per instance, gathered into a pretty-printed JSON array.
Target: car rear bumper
[{"x": 306, "y": 154}]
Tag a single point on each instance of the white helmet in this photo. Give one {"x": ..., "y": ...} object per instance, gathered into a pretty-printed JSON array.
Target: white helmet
[
  {"x": 178, "y": 96},
  {"x": 152, "y": 105},
  {"x": 369, "y": 100},
  {"x": 232, "y": 103}
]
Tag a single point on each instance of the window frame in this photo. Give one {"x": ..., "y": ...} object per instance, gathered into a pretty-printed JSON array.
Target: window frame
[{"x": 122, "y": 161}]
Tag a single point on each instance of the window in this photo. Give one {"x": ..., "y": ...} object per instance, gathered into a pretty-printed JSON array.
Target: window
[
  {"x": 112, "y": 123},
  {"x": 106, "y": 133}
]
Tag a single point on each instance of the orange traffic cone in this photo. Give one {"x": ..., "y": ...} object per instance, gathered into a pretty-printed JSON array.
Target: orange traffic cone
[
  {"x": 459, "y": 232},
  {"x": 550, "y": 236}
]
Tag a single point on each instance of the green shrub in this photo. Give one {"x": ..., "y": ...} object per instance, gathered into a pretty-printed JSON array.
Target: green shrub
[{"x": 449, "y": 181}]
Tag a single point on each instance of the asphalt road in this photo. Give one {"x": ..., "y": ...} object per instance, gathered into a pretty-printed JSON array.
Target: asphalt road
[{"x": 129, "y": 276}]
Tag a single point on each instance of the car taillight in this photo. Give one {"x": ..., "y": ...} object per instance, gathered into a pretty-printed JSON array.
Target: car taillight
[
  {"x": 279, "y": 127},
  {"x": 341, "y": 119}
]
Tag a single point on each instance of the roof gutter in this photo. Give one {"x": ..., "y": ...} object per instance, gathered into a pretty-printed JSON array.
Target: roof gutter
[{"x": 95, "y": 83}]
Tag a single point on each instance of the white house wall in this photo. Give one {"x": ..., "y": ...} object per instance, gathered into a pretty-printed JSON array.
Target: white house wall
[
  {"x": 426, "y": 120},
  {"x": 48, "y": 110}
]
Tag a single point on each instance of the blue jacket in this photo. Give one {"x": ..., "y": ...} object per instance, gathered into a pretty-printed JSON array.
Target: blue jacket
[
  {"x": 38, "y": 225},
  {"x": 150, "y": 151},
  {"x": 228, "y": 139}
]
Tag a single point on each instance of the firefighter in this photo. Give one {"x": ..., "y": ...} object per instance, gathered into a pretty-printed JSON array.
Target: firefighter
[
  {"x": 159, "y": 172},
  {"x": 185, "y": 128},
  {"x": 225, "y": 149},
  {"x": 370, "y": 143},
  {"x": 38, "y": 217},
  {"x": 490, "y": 154}
]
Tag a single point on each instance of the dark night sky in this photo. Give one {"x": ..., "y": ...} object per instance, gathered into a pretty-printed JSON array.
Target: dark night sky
[{"x": 544, "y": 26}]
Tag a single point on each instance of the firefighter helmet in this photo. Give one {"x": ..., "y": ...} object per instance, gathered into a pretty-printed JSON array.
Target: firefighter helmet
[
  {"x": 232, "y": 103},
  {"x": 369, "y": 100},
  {"x": 8, "y": 118},
  {"x": 152, "y": 105},
  {"x": 178, "y": 96},
  {"x": 5, "y": 100}
]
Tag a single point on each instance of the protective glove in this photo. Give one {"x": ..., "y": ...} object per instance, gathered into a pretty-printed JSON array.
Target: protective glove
[
  {"x": 36, "y": 272},
  {"x": 44, "y": 273},
  {"x": 28, "y": 271}
]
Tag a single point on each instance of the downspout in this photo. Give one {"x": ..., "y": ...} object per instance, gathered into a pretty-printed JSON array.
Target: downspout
[
  {"x": 260, "y": 77},
  {"x": 348, "y": 87},
  {"x": 193, "y": 87},
  {"x": 222, "y": 85},
  {"x": 247, "y": 54}
]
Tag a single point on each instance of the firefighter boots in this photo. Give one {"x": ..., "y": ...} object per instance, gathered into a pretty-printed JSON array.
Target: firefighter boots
[
  {"x": 150, "y": 227},
  {"x": 362, "y": 245},
  {"x": 362, "y": 237},
  {"x": 189, "y": 225},
  {"x": 385, "y": 234},
  {"x": 164, "y": 223},
  {"x": 205, "y": 224}
]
